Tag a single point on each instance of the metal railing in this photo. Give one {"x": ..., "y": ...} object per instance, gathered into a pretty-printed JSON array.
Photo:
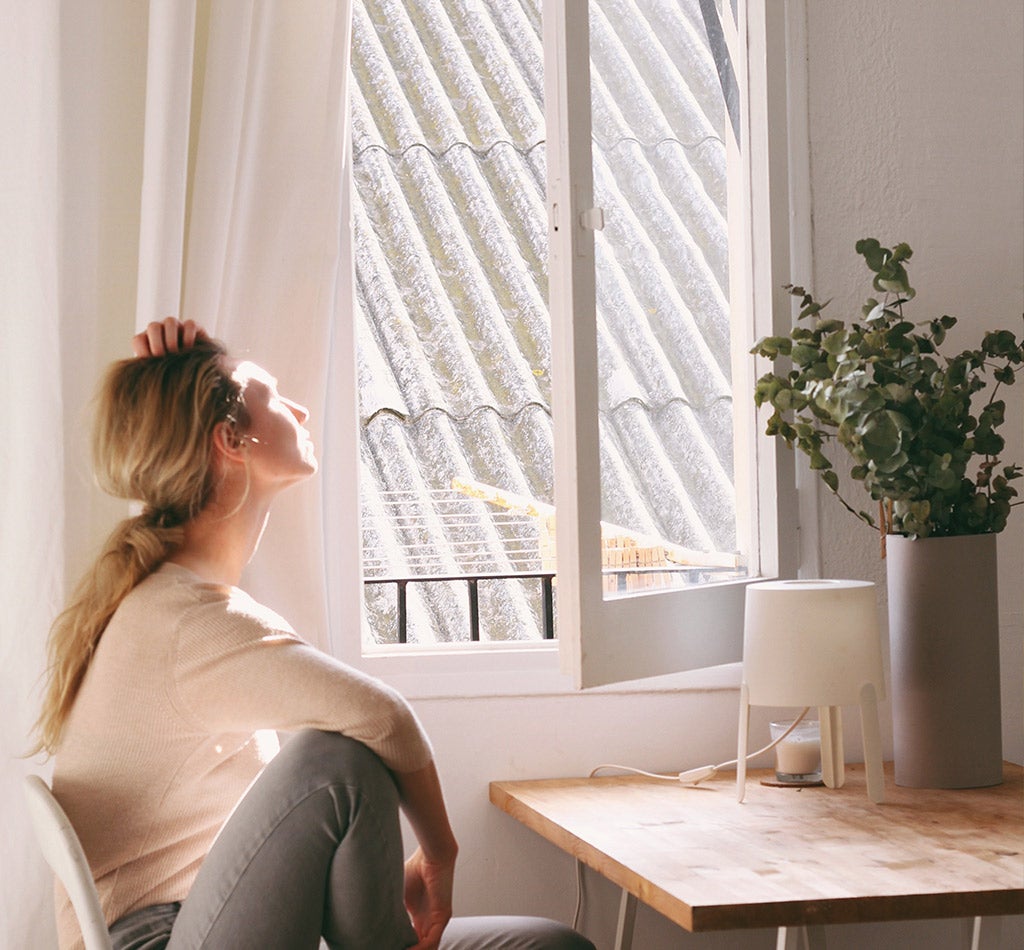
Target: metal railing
[
  {"x": 472, "y": 582},
  {"x": 617, "y": 581}
]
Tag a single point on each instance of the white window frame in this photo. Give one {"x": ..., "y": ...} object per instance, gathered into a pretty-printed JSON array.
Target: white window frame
[
  {"x": 604, "y": 641},
  {"x": 633, "y": 637}
]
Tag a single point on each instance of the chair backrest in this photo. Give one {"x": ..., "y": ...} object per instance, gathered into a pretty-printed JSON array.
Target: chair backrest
[{"x": 63, "y": 852}]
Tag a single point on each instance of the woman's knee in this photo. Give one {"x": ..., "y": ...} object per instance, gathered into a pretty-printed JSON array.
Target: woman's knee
[
  {"x": 331, "y": 758},
  {"x": 321, "y": 818}
]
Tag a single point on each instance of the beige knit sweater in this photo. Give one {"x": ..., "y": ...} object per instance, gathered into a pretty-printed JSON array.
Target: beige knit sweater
[{"x": 167, "y": 731}]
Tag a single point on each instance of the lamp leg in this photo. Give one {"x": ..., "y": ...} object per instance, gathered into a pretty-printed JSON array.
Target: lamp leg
[
  {"x": 872, "y": 742},
  {"x": 741, "y": 743},
  {"x": 833, "y": 771}
]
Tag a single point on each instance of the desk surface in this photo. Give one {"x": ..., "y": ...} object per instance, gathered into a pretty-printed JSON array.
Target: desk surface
[{"x": 788, "y": 856}]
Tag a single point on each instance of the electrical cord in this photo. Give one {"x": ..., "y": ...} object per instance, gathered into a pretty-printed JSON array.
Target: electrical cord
[
  {"x": 690, "y": 777},
  {"x": 698, "y": 775}
]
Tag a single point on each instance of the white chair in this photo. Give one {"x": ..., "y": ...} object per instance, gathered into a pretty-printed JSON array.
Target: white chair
[{"x": 64, "y": 854}]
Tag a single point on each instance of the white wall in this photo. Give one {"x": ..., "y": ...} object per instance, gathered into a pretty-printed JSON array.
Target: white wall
[{"x": 917, "y": 135}]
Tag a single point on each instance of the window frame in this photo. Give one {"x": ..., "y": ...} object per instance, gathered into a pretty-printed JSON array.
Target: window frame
[
  {"x": 568, "y": 664},
  {"x": 609, "y": 640}
]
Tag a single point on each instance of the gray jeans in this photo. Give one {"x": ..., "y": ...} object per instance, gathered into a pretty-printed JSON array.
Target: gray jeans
[{"x": 313, "y": 849}]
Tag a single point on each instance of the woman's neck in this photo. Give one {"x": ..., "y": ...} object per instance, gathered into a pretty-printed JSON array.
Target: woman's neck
[{"x": 218, "y": 546}]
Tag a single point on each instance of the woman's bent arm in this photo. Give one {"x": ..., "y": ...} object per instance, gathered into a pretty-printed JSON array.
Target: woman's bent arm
[{"x": 430, "y": 872}]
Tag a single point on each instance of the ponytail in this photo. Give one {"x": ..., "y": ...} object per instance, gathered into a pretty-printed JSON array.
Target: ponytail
[
  {"x": 152, "y": 441},
  {"x": 133, "y": 551}
]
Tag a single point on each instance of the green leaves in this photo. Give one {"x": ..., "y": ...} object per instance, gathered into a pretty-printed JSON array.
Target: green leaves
[
  {"x": 890, "y": 274},
  {"x": 773, "y": 347},
  {"x": 872, "y": 253},
  {"x": 1002, "y": 344},
  {"x": 904, "y": 414},
  {"x": 939, "y": 328},
  {"x": 882, "y": 439}
]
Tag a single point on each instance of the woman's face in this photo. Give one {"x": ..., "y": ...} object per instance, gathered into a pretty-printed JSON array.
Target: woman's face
[{"x": 279, "y": 449}]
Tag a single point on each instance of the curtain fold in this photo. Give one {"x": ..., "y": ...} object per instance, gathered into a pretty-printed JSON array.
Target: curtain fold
[
  {"x": 181, "y": 157},
  {"x": 264, "y": 249},
  {"x": 31, "y": 455},
  {"x": 165, "y": 151}
]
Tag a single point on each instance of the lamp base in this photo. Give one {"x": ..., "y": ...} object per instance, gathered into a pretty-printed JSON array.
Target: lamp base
[{"x": 776, "y": 783}]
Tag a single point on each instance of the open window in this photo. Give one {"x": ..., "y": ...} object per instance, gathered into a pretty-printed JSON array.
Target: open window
[
  {"x": 563, "y": 254},
  {"x": 608, "y": 634}
]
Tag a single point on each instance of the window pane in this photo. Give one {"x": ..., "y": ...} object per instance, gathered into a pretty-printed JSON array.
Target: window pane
[
  {"x": 453, "y": 326},
  {"x": 664, "y": 346},
  {"x": 452, "y": 317}
]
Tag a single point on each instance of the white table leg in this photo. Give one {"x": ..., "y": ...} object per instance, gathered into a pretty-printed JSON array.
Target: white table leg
[
  {"x": 810, "y": 937},
  {"x": 627, "y": 918},
  {"x": 981, "y": 933}
]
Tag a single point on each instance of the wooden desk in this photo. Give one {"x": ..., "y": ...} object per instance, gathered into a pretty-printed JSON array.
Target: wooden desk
[{"x": 787, "y": 857}]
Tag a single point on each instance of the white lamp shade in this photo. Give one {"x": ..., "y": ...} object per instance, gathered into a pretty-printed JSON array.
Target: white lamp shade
[{"x": 811, "y": 642}]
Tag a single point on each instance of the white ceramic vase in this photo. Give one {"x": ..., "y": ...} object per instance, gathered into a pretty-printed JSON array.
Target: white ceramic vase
[{"x": 944, "y": 644}]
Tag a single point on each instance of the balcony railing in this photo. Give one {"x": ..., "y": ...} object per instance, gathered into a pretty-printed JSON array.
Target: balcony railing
[
  {"x": 472, "y": 582},
  {"x": 617, "y": 582}
]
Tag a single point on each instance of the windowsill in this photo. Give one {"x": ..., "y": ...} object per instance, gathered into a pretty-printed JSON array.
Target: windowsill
[{"x": 514, "y": 669}]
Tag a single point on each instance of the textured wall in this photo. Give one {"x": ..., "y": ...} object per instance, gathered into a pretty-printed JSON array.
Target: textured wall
[{"x": 917, "y": 135}]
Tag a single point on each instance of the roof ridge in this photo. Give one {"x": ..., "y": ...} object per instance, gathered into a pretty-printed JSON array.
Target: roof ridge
[
  {"x": 485, "y": 151},
  {"x": 510, "y": 415},
  {"x": 413, "y": 418},
  {"x": 434, "y": 153}
]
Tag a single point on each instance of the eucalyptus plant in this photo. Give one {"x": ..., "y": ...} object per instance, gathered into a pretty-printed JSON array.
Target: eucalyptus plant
[{"x": 921, "y": 428}]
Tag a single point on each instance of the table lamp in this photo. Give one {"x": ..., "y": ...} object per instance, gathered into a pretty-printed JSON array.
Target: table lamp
[{"x": 815, "y": 643}]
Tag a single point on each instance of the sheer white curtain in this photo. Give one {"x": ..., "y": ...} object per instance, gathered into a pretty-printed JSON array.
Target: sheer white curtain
[
  {"x": 175, "y": 157},
  {"x": 264, "y": 259},
  {"x": 248, "y": 219},
  {"x": 31, "y": 457}
]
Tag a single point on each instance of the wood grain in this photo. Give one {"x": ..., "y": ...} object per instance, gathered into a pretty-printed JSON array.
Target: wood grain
[{"x": 788, "y": 856}]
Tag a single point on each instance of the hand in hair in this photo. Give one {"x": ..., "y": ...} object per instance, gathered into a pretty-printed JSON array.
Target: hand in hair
[{"x": 169, "y": 335}]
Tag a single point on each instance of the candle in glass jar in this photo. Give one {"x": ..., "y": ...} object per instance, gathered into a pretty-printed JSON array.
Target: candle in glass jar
[{"x": 798, "y": 756}]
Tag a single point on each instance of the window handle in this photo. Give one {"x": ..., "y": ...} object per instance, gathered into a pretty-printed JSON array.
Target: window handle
[{"x": 592, "y": 219}]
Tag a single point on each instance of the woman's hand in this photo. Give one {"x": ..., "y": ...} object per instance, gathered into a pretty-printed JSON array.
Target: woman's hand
[
  {"x": 430, "y": 872},
  {"x": 169, "y": 335},
  {"x": 428, "y": 897}
]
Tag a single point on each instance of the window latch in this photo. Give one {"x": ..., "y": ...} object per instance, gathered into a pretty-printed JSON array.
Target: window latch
[{"x": 592, "y": 219}]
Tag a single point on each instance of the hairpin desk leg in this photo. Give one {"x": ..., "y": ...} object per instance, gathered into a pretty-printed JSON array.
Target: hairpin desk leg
[
  {"x": 801, "y": 938},
  {"x": 627, "y": 918},
  {"x": 981, "y": 933}
]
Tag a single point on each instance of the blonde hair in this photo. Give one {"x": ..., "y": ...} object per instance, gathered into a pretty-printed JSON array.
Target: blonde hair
[{"x": 152, "y": 442}]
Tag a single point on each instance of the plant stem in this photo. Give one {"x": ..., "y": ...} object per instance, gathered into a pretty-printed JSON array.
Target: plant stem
[{"x": 882, "y": 526}]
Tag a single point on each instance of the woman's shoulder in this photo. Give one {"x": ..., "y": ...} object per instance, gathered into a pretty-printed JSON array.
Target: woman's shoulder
[{"x": 214, "y": 609}]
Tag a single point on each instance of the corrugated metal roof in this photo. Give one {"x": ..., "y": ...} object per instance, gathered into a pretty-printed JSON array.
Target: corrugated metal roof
[{"x": 451, "y": 258}]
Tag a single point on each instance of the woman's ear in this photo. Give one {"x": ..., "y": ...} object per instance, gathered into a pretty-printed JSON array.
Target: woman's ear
[{"x": 227, "y": 443}]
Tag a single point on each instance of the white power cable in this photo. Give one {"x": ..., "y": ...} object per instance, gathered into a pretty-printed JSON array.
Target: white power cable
[
  {"x": 689, "y": 777},
  {"x": 695, "y": 776}
]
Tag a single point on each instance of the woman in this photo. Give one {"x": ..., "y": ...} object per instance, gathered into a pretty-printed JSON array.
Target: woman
[{"x": 168, "y": 683}]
